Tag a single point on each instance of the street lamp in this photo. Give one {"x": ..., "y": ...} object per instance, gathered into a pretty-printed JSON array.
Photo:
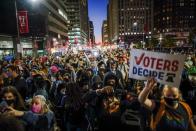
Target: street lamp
[
  {"x": 160, "y": 40},
  {"x": 33, "y": 0},
  {"x": 135, "y": 24},
  {"x": 18, "y": 47}
]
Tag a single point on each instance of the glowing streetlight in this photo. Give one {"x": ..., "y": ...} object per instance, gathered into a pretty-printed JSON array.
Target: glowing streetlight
[
  {"x": 135, "y": 24},
  {"x": 160, "y": 40},
  {"x": 33, "y": 0}
]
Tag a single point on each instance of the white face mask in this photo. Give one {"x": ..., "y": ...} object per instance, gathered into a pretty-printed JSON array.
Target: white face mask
[{"x": 53, "y": 79}]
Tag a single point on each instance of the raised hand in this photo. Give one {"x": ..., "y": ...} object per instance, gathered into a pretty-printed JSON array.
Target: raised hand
[
  {"x": 13, "y": 112},
  {"x": 151, "y": 83}
]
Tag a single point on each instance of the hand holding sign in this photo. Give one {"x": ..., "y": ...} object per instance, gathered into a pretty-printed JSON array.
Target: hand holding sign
[{"x": 151, "y": 83}]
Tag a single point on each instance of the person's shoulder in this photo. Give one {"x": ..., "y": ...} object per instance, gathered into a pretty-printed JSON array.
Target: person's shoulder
[
  {"x": 50, "y": 114},
  {"x": 187, "y": 108}
]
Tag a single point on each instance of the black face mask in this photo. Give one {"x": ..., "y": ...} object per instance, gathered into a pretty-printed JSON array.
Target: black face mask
[
  {"x": 85, "y": 88},
  {"x": 66, "y": 79},
  {"x": 9, "y": 102},
  {"x": 171, "y": 101}
]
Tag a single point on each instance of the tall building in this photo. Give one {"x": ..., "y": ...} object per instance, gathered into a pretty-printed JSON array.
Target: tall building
[
  {"x": 78, "y": 15},
  {"x": 130, "y": 20},
  {"x": 105, "y": 38},
  {"x": 174, "y": 18},
  {"x": 113, "y": 20},
  {"x": 91, "y": 33},
  {"x": 47, "y": 21}
]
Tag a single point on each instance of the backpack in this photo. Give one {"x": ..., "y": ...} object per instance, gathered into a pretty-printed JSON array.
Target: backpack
[{"x": 155, "y": 119}]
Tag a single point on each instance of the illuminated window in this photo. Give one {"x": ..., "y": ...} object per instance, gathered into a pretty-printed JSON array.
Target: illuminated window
[
  {"x": 62, "y": 14},
  {"x": 181, "y": 4}
]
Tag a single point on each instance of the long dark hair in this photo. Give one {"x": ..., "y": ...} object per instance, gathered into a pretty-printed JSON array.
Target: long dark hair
[
  {"x": 19, "y": 102},
  {"x": 75, "y": 95}
]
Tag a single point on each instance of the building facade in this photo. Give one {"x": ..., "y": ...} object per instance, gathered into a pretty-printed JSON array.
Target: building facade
[
  {"x": 56, "y": 23},
  {"x": 174, "y": 18},
  {"x": 91, "y": 33},
  {"x": 105, "y": 37},
  {"x": 113, "y": 20},
  {"x": 130, "y": 20},
  {"x": 47, "y": 23},
  {"x": 78, "y": 15}
]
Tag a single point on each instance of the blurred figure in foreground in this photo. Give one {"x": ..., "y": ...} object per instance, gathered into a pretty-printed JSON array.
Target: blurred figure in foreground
[{"x": 171, "y": 113}]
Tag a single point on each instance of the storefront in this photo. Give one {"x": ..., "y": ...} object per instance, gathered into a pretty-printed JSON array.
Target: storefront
[
  {"x": 6, "y": 46},
  {"x": 27, "y": 47}
]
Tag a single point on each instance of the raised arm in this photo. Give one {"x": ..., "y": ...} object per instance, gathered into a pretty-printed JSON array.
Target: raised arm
[
  {"x": 143, "y": 96},
  {"x": 192, "y": 126}
]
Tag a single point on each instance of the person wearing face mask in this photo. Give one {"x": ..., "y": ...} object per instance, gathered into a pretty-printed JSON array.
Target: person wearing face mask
[
  {"x": 105, "y": 103},
  {"x": 38, "y": 118},
  {"x": 74, "y": 111},
  {"x": 169, "y": 114},
  {"x": 17, "y": 80},
  {"x": 122, "y": 67},
  {"x": 60, "y": 94},
  {"x": 40, "y": 86},
  {"x": 189, "y": 63},
  {"x": 12, "y": 98},
  {"x": 114, "y": 70},
  {"x": 31, "y": 89}
]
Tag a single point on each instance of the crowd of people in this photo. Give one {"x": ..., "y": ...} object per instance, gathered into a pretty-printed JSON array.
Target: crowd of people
[{"x": 74, "y": 92}]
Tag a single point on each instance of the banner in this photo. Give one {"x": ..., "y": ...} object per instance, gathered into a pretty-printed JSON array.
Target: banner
[
  {"x": 23, "y": 22},
  {"x": 166, "y": 68}
]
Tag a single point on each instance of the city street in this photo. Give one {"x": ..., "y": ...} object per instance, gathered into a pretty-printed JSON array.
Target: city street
[{"x": 98, "y": 65}]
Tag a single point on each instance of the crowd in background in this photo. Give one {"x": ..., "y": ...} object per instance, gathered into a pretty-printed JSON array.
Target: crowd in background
[{"x": 74, "y": 92}]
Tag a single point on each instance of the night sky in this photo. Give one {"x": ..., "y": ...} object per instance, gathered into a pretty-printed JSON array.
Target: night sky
[{"x": 97, "y": 13}]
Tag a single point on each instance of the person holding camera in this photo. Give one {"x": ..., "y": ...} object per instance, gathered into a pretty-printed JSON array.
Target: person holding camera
[
  {"x": 38, "y": 118},
  {"x": 11, "y": 98}
]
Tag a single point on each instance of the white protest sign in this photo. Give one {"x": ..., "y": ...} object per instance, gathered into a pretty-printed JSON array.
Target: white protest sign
[{"x": 166, "y": 68}]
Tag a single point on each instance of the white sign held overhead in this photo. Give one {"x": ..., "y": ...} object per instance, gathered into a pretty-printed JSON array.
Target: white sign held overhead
[{"x": 166, "y": 68}]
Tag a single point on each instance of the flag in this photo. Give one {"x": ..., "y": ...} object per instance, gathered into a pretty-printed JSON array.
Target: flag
[{"x": 23, "y": 22}]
